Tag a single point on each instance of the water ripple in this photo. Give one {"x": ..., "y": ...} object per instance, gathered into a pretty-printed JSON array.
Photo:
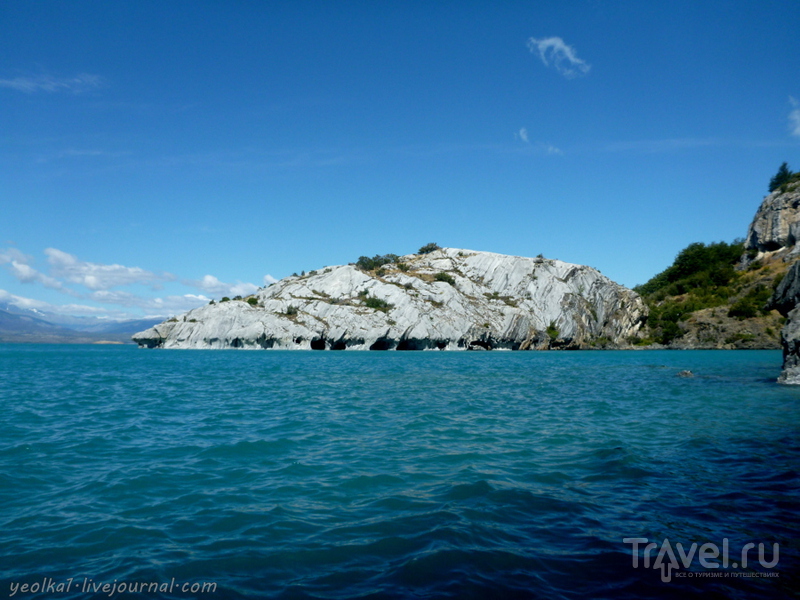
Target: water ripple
[{"x": 393, "y": 475}]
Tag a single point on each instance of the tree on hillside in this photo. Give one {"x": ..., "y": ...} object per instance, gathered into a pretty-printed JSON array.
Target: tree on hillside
[
  {"x": 783, "y": 175},
  {"x": 428, "y": 248}
]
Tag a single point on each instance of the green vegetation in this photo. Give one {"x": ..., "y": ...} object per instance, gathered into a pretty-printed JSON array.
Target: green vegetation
[
  {"x": 509, "y": 300},
  {"x": 252, "y": 301},
  {"x": 291, "y": 311},
  {"x": 552, "y": 331},
  {"x": 428, "y": 248},
  {"x": 701, "y": 277},
  {"x": 752, "y": 304},
  {"x": 783, "y": 179},
  {"x": 225, "y": 299},
  {"x": 739, "y": 337},
  {"x": 377, "y": 304},
  {"x": 445, "y": 277},
  {"x": 366, "y": 263},
  {"x": 600, "y": 342},
  {"x": 697, "y": 267}
]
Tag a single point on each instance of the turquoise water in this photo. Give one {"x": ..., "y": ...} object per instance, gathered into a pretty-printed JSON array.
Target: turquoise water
[{"x": 392, "y": 475}]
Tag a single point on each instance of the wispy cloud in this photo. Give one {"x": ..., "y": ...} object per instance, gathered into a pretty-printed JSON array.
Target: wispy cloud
[
  {"x": 100, "y": 279},
  {"x": 60, "y": 309},
  {"x": 49, "y": 84},
  {"x": 27, "y": 274},
  {"x": 537, "y": 147},
  {"x": 794, "y": 117},
  {"x": 75, "y": 153},
  {"x": 97, "y": 276},
  {"x": 214, "y": 286},
  {"x": 19, "y": 265},
  {"x": 153, "y": 306},
  {"x": 656, "y": 146},
  {"x": 553, "y": 150},
  {"x": 554, "y": 52},
  {"x": 14, "y": 255}
]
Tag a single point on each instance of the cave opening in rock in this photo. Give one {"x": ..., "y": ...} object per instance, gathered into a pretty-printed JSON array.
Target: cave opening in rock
[
  {"x": 382, "y": 344},
  {"x": 480, "y": 344}
]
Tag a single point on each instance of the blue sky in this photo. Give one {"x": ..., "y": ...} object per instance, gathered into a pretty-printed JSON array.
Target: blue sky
[{"x": 154, "y": 155}]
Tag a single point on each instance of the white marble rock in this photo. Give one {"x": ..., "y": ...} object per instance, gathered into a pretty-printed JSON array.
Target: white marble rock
[{"x": 496, "y": 302}]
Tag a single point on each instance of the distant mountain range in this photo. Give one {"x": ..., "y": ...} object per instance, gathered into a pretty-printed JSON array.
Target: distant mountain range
[{"x": 31, "y": 326}]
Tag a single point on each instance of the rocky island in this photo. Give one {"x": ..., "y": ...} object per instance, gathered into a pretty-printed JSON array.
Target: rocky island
[
  {"x": 721, "y": 296},
  {"x": 439, "y": 298}
]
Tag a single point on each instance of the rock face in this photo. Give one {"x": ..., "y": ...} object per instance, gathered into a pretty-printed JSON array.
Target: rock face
[
  {"x": 786, "y": 299},
  {"x": 449, "y": 299},
  {"x": 776, "y": 224},
  {"x": 775, "y": 231}
]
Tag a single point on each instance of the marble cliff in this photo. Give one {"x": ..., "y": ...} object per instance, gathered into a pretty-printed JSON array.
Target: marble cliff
[{"x": 449, "y": 299}]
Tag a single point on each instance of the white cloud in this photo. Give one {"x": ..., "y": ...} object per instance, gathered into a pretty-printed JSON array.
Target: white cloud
[
  {"x": 176, "y": 304},
  {"x": 64, "y": 309},
  {"x": 523, "y": 135},
  {"x": 550, "y": 149},
  {"x": 98, "y": 276},
  {"x": 12, "y": 254},
  {"x": 269, "y": 279},
  {"x": 46, "y": 83},
  {"x": 155, "y": 306},
  {"x": 794, "y": 117},
  {"x": 100, "y": 279},
  {"x": 214, "y": 286},
  {"x": 242, "y": 288},
  {"x": 18, "y": 264},
  {"x": 554, "y": 52},
  {"x": 25, "y": 273}
]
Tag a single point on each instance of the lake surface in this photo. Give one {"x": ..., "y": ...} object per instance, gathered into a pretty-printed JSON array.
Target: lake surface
[{"x": 394, "y": 474}]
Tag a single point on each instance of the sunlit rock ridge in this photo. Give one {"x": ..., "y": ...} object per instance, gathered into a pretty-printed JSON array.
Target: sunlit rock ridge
[
  {"x": 776, "y": 225},
  {"x": 449, "y": 299},
  {"x": 775, "y": 231}
]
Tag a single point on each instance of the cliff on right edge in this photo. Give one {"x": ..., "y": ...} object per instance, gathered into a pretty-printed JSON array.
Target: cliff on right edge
[{"x": 774, "y": 235}]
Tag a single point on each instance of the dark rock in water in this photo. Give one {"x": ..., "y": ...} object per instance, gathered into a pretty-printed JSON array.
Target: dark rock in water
[
  {"x": 786, "y": 299},
  {"x": 686, "y": 373}
]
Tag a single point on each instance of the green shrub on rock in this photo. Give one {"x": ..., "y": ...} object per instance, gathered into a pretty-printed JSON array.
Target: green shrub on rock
[
  {"x": 428, "y": 248},
  {"x": 365, "y": 263},
  {"x": 377, "y": 304}
]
